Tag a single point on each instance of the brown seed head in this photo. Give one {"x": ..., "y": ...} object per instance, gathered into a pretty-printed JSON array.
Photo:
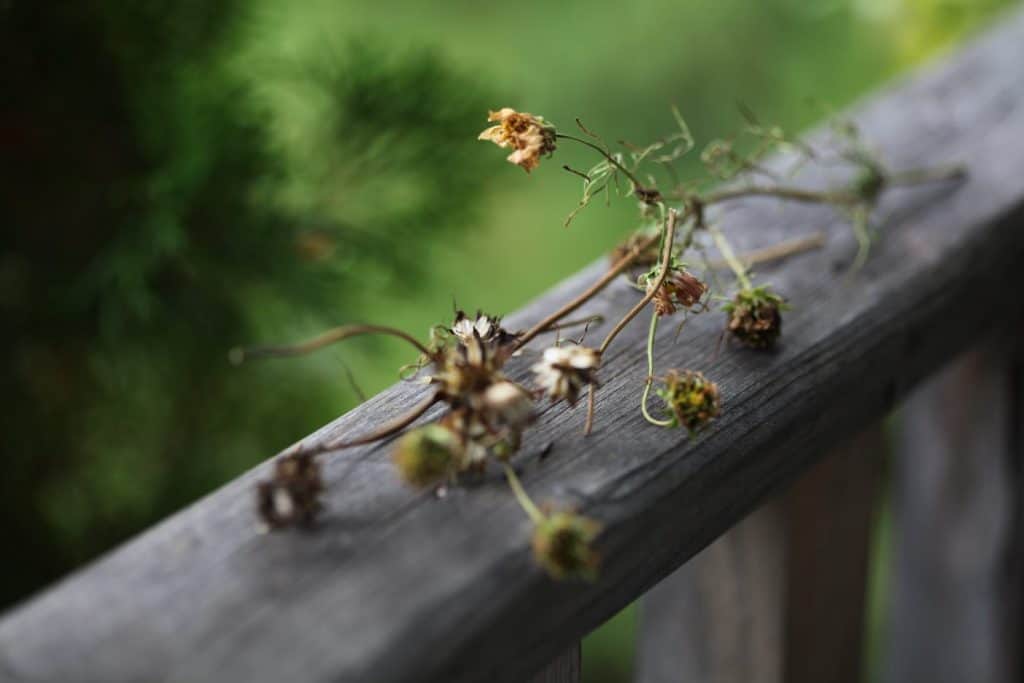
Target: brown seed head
[
  {"x": 292, "y": 496},
  {"x": 562, "y": 545},
  {"x": 755, "y": 317}
]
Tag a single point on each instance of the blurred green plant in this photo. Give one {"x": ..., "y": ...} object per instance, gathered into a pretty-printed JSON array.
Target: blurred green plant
[{"x": 153, "y": 221}]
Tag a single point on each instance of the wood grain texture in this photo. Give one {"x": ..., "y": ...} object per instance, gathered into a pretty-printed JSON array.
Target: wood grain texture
[
  {"x": 956, "y": 501},
  {"x": 780, "y": 596},
  {"x": 566, "y": 668},
  {"x": 396, "y": 585},
  {"x": 720, "y": 617}
]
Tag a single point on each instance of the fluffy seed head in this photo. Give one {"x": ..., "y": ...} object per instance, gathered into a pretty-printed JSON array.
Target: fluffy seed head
[{"x": 564, "y": 370}]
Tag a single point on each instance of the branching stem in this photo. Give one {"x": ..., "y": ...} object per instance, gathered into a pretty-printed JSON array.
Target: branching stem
[
  {"x": 606, "y": 279},
  {"x": 611, "y": 159}
]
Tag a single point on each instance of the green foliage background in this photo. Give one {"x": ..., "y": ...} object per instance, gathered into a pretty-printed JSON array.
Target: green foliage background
[{"x": 181, "y": 177}]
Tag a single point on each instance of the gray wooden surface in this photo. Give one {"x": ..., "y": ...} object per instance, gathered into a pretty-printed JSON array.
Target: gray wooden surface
[
  {"x": 956, "y": 576},
  {"x": 566, "y": 667},
  {"x": 780, "y": 596},
  {"x": 398, "y": 586}
]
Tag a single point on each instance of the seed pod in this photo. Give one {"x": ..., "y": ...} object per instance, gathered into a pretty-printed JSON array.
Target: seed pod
[
  {"x": 691, "y": 398},
  {"x": 562, "y": 546},
  {"x": 755, "y": 317},
  {"x": 292, "y": 496},
  {"x": 427, "y": 455},
  {"x": 565, "y": 370}
]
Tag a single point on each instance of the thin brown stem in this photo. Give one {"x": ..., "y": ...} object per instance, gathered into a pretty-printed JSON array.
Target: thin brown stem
[
  {"x": 919, "y": 176},
  {"x": 595, "y": 319},
  {"x": 385, "y": 430},
  {"x": 611, "y": 159},
  {"x": 774, "y": 252},
  {"x": 606, "y": 279},
  {"x": 240, "y": 355},
  {"x": 792, "y": 193}
]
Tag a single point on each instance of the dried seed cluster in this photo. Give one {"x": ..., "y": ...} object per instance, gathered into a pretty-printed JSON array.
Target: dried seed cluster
[
  {"x": 680, "y": 289},
  {"x": 291, "y": 497},
  {"x": 692, "y": 399},
  {"x": 755, "y": 317},
  {"x": 563, "y": 545},
  {"x": 487, "y": 411}
]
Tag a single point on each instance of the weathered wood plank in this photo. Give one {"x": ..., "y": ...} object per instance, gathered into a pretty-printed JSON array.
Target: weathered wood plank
[
  {"x": 780, "y": 596},
  {"x": 956, "y": 574},
  {"x": 720, "y": 617},
  {"x": 398, "y": 586},
  {"x": 566, "y": 668}
]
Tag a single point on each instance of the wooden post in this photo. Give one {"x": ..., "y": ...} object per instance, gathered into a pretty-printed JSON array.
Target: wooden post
[
  {"x": 566, "y": 668},
  {"x": 957, "y": 496},
  {"x": 780, "y": 597}
]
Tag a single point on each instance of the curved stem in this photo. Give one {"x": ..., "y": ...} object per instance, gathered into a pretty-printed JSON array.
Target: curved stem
[
  {"x": 532, "y": 511},
  {"x": 389, "y": 428},
  {"x": 730, "y": 256},
  {"x": 332, "y": 336},
  {"x": 668, "y": 238},
  {"x": 650, "y": 375},
  {"x": 612, "y": 160},
  {"x": 595, "y": 319}
]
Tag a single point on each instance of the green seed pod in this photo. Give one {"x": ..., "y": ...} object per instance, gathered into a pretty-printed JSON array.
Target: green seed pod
[
  {"x": 562, "y": 546},
  {"x": 427, "y": 455}
]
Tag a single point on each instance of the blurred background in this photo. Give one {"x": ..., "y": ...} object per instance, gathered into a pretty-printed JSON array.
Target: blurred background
[{"x": 182, "y": 177}]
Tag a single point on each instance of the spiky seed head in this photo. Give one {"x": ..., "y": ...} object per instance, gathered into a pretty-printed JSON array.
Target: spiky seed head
[
  {"x": 691, "y": 397},
  {"x": 755, "y": 317}
]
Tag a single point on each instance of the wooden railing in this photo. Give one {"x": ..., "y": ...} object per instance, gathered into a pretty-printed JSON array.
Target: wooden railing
[{"x": 401, "y": 586}]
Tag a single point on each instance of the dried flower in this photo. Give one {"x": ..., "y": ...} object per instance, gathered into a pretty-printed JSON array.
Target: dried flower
[
  {"x": 464, "y": 372},
  {"x": 485, "y": 327},
  {"x": 530, "y": 136},
  {"x": 679, "y": 289},
  {"x": 691, "y": 397},
  {"x": 562, "y": 545},
  {"x": 292, "y": 495},
  {"x": 755, "y": 317},
  {"x": 428, "y": 455},
  {"x": 475, "y": 438},
  {"x": 564, "y": 370},
  {"x": 506, "y": 404}
]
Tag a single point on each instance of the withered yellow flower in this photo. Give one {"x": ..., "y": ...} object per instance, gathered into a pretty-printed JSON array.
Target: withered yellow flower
[{"x": 529, "y": 136}]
